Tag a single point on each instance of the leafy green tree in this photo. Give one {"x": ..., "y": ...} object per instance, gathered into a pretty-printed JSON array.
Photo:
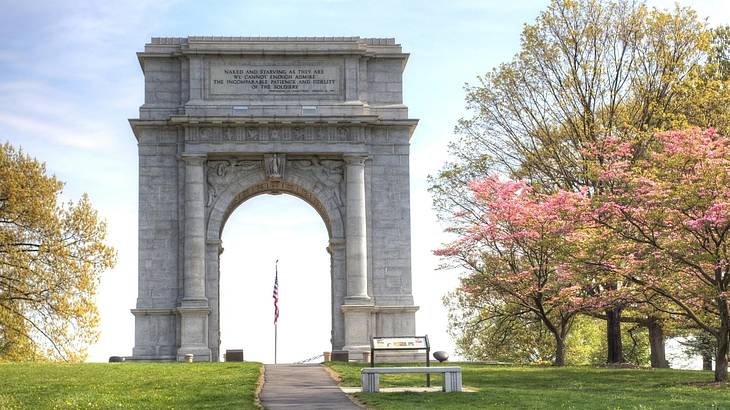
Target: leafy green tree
[
  {"x": 703, "y": 97},
  {"x": 587, "y": 346},
  {"x": 699, "y": 344},
  {"x": 487, "y": 328},
  {"x": 51, "y": 257},
  {"x": 586, "y": 70}
]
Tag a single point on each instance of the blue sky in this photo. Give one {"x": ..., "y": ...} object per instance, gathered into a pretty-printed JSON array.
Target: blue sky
[{"x": 69, "y": 80}]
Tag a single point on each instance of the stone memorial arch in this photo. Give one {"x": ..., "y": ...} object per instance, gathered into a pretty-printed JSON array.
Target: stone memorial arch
[{"x": 229, "y": 118}]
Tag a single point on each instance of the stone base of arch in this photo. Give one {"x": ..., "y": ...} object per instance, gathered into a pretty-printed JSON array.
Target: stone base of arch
[
  {"x": 362, "y": 322},
  {"x": 194, "y": 331},
  {"x": 155, "y": 334}
]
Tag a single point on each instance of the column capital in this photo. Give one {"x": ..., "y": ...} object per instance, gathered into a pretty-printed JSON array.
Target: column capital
[
  {"x": 355, "y": 159},
  {"x": 216, "y": 243},
  {"x": 335, "y": 243},
  {"x": 193, "y": 159}
]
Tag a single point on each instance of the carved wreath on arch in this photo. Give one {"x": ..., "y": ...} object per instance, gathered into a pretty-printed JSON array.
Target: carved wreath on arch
[
  {"x": 328, "y": 173},
  {"x": 221, "y": 173}
]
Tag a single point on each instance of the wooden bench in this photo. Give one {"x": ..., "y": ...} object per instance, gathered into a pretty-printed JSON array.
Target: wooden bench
[{"x": 370, "y": 376}]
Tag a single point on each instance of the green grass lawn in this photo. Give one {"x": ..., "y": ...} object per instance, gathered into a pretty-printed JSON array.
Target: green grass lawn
[
  {"x": 532, "y": 387},
  {"x": 128, "y": 385}
]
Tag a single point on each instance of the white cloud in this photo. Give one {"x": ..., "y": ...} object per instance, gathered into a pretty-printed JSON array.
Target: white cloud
[
  {"x": 716, "y": 11},
  {"x": 86, "y": 137}
]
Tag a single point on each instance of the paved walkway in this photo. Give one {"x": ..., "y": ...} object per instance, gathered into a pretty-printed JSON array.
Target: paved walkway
[{"x": 289, "y": 386}]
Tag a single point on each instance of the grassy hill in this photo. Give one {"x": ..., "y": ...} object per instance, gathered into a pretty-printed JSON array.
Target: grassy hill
[
  {"x": 533, "y": 387},
  {"x": 233, "y": 385},
  {"x": 128, "y": 385}
]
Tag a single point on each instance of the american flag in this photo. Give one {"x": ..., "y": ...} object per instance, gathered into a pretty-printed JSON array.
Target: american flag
[{"x": 276, "y": 293}]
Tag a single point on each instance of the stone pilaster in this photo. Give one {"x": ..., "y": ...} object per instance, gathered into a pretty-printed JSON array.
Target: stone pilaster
[
  {"x": 336, "y": 249},
  {"x": 196, "y": 79},
  {"x": 356, "y": 231},
  {"x": 194, "y": 309}
]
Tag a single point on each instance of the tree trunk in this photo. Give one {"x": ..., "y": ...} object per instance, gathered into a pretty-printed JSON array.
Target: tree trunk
[
  {"x": 706, "y": 361},
  {"x": 722, "y": 341},
  {"x": 613, "y": 335},
  {"x": 559, "y": 351},
  {"x": 721, "y": 357},
  {"x": 656, "y": 344}
]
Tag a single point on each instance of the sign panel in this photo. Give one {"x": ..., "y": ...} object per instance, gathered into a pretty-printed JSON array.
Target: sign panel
[
  {"x": 396, "y": 343},
  {"x": 274, "y": 79}
]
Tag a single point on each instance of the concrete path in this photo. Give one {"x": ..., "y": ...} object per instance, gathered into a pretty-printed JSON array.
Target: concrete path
[{"x": 290, "y": 386}]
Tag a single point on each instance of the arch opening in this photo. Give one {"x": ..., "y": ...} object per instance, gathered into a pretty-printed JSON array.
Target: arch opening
[{"x": 260, "y": 228}]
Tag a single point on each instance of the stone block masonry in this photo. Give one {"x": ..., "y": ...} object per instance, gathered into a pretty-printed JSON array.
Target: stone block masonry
[{"x": 228, "y": 118}]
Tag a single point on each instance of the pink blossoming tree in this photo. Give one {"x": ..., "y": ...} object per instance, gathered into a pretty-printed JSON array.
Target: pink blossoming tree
[
  {"x": 512, "y": 242},
  {"x": 673, "y": 209}
]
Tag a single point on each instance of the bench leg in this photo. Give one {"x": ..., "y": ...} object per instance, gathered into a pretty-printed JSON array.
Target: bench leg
[
  {"x": 452, "y": 382},
  {"x": 375, "y": 383},
  {"x": 370, "y": 382}
]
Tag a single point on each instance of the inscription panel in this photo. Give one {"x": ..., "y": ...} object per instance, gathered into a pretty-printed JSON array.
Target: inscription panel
[
  {"x": 300, "y": 79},
  {"x": 400, "y": 343}
]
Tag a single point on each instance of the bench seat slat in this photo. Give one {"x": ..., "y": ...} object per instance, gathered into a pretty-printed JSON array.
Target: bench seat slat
[{"x": 383, "y": 370}]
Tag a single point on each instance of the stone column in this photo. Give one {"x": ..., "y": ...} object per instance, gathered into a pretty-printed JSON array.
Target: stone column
[
  {"x": 194, "y": 245},
  {"x": 357, "y": 309},
  {"x": 194, "y": 309},
  {"x": 355, "y": 231}
]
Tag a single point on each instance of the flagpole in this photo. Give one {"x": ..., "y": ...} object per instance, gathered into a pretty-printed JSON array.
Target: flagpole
[{"x": 276, "y": 309}]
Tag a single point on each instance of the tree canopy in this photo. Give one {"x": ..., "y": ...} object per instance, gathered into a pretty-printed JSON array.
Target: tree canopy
[
  {"x": 594, "y": 85},
  {"x": 51, "y": 257},
  {"x": 673, "y": 211}
]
